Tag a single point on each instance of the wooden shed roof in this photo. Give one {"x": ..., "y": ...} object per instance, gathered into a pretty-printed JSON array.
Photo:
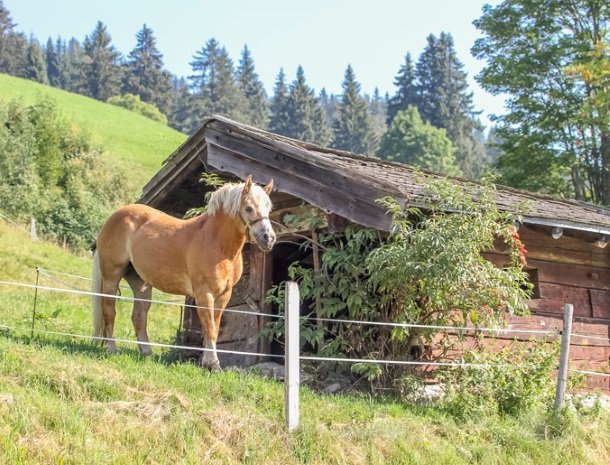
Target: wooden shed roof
[{"x": 335, "y": 181}]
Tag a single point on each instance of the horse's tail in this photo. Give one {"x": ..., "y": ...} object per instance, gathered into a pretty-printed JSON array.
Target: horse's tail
[{"x": 96, "y": 287}]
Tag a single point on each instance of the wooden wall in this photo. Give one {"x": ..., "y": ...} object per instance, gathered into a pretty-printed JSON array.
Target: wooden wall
[{"x": 571, "y": 269}]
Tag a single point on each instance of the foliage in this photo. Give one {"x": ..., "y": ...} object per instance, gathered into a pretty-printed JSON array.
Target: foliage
[
  {"x": 353, "y": 128},
  {"x": 133, "y": 103},
  {"x": 214, "y": 84},
  {"x": 256, "y": 110},
  {"x": 410, "y": 140},
  {"x": 103, "y": 71},
  {"x": 432, "y": 271},
  {"x": 135, "y": 146},
  {"x": 278, "y": 122},
  {"x": 515, "y": 380},
  {"x": 546, "y": 144},
  {"x": 438, "y": 88},
  {"x": 306, "y": 120},
  {"x": 52, "y": 173},
  {"x": 428, "y": 271},
  {"x": 144, "y": 75}
]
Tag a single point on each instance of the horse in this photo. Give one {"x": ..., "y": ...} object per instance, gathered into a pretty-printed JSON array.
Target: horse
[{"x": 199, "y": 257}]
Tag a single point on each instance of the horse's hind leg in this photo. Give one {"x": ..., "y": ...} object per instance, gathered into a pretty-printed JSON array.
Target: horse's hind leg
[
  {"x": 139, "y": 315},
  {"x": 110, "y": 286}
]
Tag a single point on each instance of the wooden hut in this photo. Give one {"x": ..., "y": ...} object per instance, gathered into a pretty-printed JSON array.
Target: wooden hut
[{"x": 568, "y": 260}]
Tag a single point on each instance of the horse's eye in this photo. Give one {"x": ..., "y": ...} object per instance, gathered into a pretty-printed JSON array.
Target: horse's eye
[{"x": 249, "y": 209}]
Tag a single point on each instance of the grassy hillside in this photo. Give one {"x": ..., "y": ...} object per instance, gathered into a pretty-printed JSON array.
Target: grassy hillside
[{"x": 136, "y": 144}]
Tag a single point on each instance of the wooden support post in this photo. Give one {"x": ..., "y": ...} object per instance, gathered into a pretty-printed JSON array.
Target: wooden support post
[
  {"x": 291, "y": 357},
  {"x": 562, "y": 374}
]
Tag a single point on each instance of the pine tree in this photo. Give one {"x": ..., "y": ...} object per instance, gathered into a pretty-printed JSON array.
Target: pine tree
[
  {"x": 144, "y": 74},
  {"x": 256, "y": 110},
  {"x": 306, "y": 118},
  {"x": 103, "y": 71},
  {"x": 406, "y": 94},
  {"x": 279, "y": 106},
  {"x": 353, "y": 128},
  {"x": 13, "y": 46},
  {"x": 379, "y": 112},
  {"x": 36, "y": 65},
  {"x": 329, "y": 105},
  {"x": 53, "y": 61},
  {"x": 213, "y": 82},
  {"x": 75, "y": 65},
  {"x": 444, "y": 101},
  {"x": 183, "y": 113}
]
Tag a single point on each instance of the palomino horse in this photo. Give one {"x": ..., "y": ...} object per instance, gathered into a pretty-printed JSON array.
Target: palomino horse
[{"x": 199, "y": 257}]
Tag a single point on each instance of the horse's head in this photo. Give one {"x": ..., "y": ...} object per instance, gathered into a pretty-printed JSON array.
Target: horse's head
[{"x": 254, "y": 212}]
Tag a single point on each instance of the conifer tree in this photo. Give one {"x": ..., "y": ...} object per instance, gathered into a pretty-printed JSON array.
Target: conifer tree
[
  {"x": 144, "y": 74},
  {"x": 406, "y": 92},
  {"x": 13, "y": 45},
  {"x": 53, "y": 61},
  {"x": 445, "y": 101},
  {"x": 256, "y": 111},
  {"x": 75, "y": 65},
  {"x": 183, "y": 114},
  {"x": 35, "y": 65},
  {"x": 353, "y": 128},
  {"x": 103, "y": 70},
  {"x": 279, "y": 120},
  {"x": 213, "y": 82},
  {"x": 306, "y": 119}
]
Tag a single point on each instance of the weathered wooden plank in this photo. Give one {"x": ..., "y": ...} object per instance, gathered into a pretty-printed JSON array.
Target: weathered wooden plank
[
  {"x": 600, "y": 303},
  {"x": 554, "y": 296},
  {"x": 341, "y": 203},
  {"x": 329, "y": 176}
]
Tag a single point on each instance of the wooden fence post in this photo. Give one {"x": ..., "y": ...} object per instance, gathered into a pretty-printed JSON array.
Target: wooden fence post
[
  {"x": 562, "y": 374},
  {"x": 291, "y": 357},
  {"x": 33, "y": 234}
]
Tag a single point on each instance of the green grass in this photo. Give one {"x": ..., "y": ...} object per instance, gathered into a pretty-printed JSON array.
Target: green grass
[
  {"x": 135, "y": 144},
  {"x": 65, "y": 401}
]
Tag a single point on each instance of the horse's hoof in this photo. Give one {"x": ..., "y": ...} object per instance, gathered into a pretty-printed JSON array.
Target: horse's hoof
[{"x": 213, "y": 367}]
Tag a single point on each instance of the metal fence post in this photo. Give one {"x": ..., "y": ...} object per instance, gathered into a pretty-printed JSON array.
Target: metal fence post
[
  {"x": 291, "y": 359},
  {"x": 562, "y": 374}
]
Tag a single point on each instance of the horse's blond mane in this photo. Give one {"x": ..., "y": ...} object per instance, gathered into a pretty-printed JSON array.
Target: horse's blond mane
[{"x": 228, "y": 198}]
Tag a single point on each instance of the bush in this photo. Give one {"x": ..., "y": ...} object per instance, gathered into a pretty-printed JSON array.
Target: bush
[
  {"x": 429, "y": 270},
  {"x": 518, "y": 380},
  {"x": 133, "y": 103},
  {"x": 51, "y": 172}
]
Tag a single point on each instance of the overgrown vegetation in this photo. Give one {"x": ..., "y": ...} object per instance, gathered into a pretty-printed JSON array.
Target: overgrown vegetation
[
  {"x": 429, "y": 270},
  {"x": 51, "y": 171},
  {"x": 134, "y": 103},
  {"x": 517, "y": 378}
]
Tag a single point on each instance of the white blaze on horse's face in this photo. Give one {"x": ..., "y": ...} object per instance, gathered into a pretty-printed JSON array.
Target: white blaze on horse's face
[{"x": 255, "y": 209}]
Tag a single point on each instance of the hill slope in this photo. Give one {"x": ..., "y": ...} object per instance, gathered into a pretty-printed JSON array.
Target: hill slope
[{"x": 135, "y": 144}]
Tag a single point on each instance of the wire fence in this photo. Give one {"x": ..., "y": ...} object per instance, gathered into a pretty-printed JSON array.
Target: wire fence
[{"x": 72, "y": 289}]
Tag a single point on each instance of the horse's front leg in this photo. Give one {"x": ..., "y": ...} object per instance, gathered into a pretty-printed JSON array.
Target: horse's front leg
[{"x": 204, "y": 299}]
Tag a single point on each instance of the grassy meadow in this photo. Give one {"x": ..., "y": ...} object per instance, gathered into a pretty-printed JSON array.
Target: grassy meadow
[
  {"x": 135, "y": 144},
  {"x": 65, "y": 401}
]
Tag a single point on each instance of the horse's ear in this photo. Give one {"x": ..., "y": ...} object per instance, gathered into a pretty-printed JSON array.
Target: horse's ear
[
  {"x": 269, "y": 187},
  {"x": 247, "y": 186}
]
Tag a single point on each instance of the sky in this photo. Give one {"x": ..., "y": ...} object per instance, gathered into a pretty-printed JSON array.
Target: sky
[{"x": 323, "y": 36}]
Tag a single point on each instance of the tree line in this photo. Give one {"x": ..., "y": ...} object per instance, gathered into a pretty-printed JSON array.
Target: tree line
[
  {"x": 351, "y": 121},
  {"x": 549, "y": 59}
]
